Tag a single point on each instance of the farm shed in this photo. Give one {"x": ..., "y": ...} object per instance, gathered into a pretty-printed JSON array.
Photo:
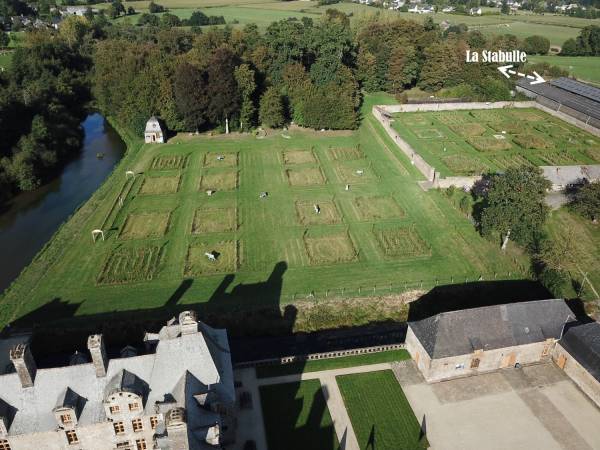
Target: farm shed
[
  {"x": 578, "y": 354},
  {"x": 577, "y": 99},
  {"x": 154, "y": 132},
  {"x": 471, "y": 341}
]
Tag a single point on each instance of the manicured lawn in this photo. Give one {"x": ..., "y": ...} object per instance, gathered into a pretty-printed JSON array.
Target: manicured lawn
[
  {"x": 5, "y": 60},
  {"x": 475, "y": 142},
  {"x": 296, "y": 417},
  {"x": 585, "y": 68},
  {"x": 380, "y": 413},
  {"x": 269, "y": 251},
  {"x": 332, "y": 363}
]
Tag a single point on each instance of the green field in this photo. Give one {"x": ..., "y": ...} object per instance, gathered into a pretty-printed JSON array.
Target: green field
[
  {"x": 296, "y": 417},
  {"x": 586, "y": 68},
  {"x": 5, "y": 60},
  {"x": 332, "y": 363},
  {"x": 475, "y": 142},
  {"x": 380, "y": 413},
  {"x": 557, "y": 28}
]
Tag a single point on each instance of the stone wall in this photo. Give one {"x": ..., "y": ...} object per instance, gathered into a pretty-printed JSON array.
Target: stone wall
[
  {"x": 382, "y": 112},
  {"x": 580, "y": 376},
  {"x": 416, "y": 160}
]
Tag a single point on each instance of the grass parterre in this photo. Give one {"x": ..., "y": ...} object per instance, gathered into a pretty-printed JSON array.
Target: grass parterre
[{"x": 474, "y": 142}]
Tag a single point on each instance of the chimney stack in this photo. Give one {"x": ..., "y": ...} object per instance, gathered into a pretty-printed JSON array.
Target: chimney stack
[
  {"x": 22, "y": 359},
  {"x": 95, "y": 345},
  {"x": 188, "y": 322}
]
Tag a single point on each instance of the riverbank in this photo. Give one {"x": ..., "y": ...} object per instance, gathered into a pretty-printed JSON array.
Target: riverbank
[{"x": 74, "y": 225}]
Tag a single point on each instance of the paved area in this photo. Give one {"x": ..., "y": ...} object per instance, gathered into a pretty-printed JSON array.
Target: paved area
[
  {"x": 536, "y": 407},
  {"x": 250, "y": 421}
]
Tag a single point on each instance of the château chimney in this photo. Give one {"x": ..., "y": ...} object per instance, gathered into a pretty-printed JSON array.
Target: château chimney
[
  {"x": 98, "y": 352},
  {"x": 22, "y": 359}
]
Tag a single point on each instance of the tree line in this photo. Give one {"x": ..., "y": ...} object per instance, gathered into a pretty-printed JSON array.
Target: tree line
[{"x": 586, "y": 44}]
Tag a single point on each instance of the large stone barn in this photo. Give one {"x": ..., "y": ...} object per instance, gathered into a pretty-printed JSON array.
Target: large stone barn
[
  {"x": 471, "y": 341},
  {"x": 578, "y": 354},
  {"x": 177, "y": 395},
  {"x": 154, "y": 133}
]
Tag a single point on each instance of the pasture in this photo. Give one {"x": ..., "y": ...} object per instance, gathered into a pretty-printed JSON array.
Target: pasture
[
  {"x": 296, "y": 417},
  {"x": 557, "y": 28},
  {"x": 585, "y": 68},
  {"x": 475, "y": 142},
  {"x": 381, "y": 417},
  {"x": 374, "y": 233}
]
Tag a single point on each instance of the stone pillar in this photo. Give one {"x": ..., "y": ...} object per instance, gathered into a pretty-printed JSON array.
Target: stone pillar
[
  {"x": 95, "y": 345},
  {"x": 22, "y": 359}
]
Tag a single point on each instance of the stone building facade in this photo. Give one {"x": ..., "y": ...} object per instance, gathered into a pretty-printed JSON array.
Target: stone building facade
[
  {"x": 471, "y": 341},
  {"x": 578, "y": 354},
  {"x": 179, "y": 396}
]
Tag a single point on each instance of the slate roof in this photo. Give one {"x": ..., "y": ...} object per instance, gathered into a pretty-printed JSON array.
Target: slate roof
[
  {"x": 205, "y": 355},
  {"x": 490, "y": 327},
  {"x": 583, "y": 343},
  {"x": 567, "y": 175},
  {"x": 562, "y": 90}
]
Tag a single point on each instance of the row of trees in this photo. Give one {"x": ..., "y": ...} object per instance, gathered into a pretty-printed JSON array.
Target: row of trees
[{"x": 586, "y": 44}]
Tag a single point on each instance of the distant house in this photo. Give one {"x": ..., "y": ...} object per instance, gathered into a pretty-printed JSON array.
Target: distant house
[
  {"x": 448, "y": 9},
  {"x": 475, "y": 11},
  {"x": 472, "y": 341},
  {"x": 564, "y": 177},
  {"x": 578, "y": 354},
  {"x": 154, "y": 132}
]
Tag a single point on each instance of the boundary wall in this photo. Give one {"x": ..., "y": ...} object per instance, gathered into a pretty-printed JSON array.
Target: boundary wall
[{"x": 383, "y": 114}]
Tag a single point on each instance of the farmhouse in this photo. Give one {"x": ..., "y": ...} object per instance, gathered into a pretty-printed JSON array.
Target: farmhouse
[
  {"x": 471, "y": 341},
  {"x": 578, "y": 354},
  {"x": 577, "y": 99},
  {"x": 563, "y": 177},
  {"x": 179, "y": 395},
  {"x": 154, "y": 132}
]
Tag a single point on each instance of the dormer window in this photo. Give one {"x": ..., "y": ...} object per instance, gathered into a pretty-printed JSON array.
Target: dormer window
[
  {"x": 135, "y": 406},
  {"x": 66, "y": 419},
  {"x": 72, "y": 438}
]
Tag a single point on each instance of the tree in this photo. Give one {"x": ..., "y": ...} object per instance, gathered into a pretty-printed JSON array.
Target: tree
[
  {"x": 222, "y": 86},
  {"x": 245, "y": 78},
  {"x": 73, "y": 29},
  {"x": 536, "y": 45},
  {"x": 154, "y": 8},
  {"x": 190, "y": 88},
  {"x": 271, "y": 109},
  {"x": 130, "y": 11},
  {"x": 585, "y": 200},
  {"x": 148, "y": 19},
  {"x": 4, "y": 39},
  {"x": 404, "y": 67},
  {"x": 197, "y": 19},
  {"x": 569, "y": 48},
  {"x": 504, "y": 9},
  {"x": 169, "y": 20},
  {"x": 514, "y": 205}
]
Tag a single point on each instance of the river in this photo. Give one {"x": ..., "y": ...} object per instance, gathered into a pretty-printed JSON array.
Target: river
[{"x": 32, "y": 217}]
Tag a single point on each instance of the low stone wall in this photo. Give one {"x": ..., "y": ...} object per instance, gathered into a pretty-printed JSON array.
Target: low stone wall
[
  {"x": 382, "y": 112},
  {"x": 454, "y": 106},
  {"x": 416, "y": 160},
  {"x": 316, "y": 356}
]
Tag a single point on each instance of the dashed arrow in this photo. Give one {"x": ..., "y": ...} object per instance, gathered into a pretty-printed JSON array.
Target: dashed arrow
[{"x": 507, "y": 72}]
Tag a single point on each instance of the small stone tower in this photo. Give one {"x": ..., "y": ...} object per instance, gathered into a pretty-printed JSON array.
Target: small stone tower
[
  {"x": 22, "y": 359},
  {"x": 95, "y": 345}
]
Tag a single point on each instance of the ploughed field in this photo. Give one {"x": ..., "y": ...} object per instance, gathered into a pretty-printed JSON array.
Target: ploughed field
[
  {"x": 343, "y": 215},
  {"x": 480, "y": 141}
]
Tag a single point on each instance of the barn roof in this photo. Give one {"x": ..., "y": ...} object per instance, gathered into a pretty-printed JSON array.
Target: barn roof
[
  {"x": 583, "y": 343},
  {"x": 490, "y": 327}
]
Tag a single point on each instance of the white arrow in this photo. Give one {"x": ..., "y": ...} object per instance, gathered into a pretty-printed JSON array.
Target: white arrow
[{"x": 536, "y": 77}]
